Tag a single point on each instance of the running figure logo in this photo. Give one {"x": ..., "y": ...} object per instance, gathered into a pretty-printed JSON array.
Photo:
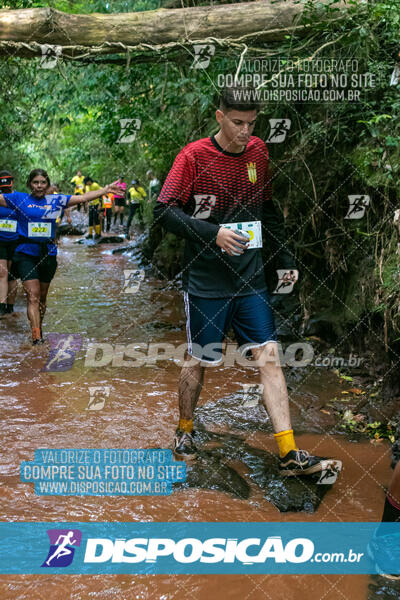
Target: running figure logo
[
  {"x": 50, "y": 56},
  {"x": 202, "y": 55},
  {"x": 279, "y": 129},
  {"x": 61, "y": 551},
  {"x": 285, "y": 283},
  {"x": 204, "y": 204},
  {"x": 357, "y": 206},
  {"x": 98, "y": 397},
  {"x": 129, "y": 129},
  {"x": 252, "y": 394},
  {"x": 63, "y": 347},
  {"x": 133, "y": 279}
]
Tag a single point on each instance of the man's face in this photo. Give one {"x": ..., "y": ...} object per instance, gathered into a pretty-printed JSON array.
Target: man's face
[
  {"x": 237, "y": 125},
  {"x": 79, "y": 173}
]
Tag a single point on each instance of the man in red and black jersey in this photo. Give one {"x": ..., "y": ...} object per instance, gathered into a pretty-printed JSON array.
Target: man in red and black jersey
[{"x": 217, "y": 187}]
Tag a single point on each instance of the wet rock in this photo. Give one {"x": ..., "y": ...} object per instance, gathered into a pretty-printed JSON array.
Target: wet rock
[
  {"x": 161, "y": 326},
  {"x": 70, "y": 230},
  {"x": 236, "y": 412},
  {"x": 381, "y": 588},
  {"x": 122, "y": 249},
  {"x": 211, "y": 471},
  {"x": 109, "y": 239},
  {"x": 233, "y": 411},
  {"x": 320, "y": 327}
]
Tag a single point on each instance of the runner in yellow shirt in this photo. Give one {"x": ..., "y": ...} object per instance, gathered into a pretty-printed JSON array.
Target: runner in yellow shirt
[
  {"x": 78, "y": 181},
  {"x": 94, "y": 208},
  {"x": 136, "y": 195}
]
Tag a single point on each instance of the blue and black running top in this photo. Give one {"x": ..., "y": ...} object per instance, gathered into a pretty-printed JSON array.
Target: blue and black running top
[
  {"x": 8, "y": 225},
  {"x": 37, "y": 220}
]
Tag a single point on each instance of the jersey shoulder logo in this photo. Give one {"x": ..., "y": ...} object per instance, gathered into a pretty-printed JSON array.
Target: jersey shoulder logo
[{"x": 252, "y": 171}]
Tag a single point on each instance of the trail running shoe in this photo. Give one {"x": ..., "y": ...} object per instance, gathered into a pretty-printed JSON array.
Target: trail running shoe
[
  {"x": 184, "y": 446},
  {"x": 384, "y": 551},
  {"x": 301, "y": 462},
  {"x": 38, "y": 342}
]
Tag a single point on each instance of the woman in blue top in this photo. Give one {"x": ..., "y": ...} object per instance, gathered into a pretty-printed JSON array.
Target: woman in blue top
[
  {"x": 8, "y": 242},
  {"x": 36, "y": 251}
]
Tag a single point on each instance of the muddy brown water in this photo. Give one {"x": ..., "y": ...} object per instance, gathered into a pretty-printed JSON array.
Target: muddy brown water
[{"x": 42, "y": 409}]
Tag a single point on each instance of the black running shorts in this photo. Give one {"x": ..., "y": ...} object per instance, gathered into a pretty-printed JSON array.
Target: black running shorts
[
  {"x": 7, "y": 249},
  {"x": 36, "y": 267}
]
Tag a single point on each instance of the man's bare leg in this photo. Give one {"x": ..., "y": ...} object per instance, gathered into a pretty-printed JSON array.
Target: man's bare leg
[
  {"x": 275, "y": 396},
  {"x": 276, "y": 402},
  {"x": 190, "y": 385}
]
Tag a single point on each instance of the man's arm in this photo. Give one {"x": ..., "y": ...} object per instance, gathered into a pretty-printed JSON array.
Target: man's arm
[
  {"x": 176, "y": 193},
  {"x": 176, "y": 221}
]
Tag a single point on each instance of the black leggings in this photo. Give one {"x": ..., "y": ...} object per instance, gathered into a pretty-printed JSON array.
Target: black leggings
[
  {"x": 93, "y": 216},
  {"x": 107, "y": 220},
  {"x": 132, "y": 210}
]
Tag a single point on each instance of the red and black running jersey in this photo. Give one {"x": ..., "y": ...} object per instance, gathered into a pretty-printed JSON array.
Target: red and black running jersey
[{"x": 206, "y": 187}]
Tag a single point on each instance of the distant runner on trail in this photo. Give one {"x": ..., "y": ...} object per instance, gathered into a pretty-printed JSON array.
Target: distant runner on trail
[
  {"x": 137, "y": 195},
  {"x": 36, "y": 252},
  {"x": 94, "y": 207},
  {"x": 107, "y": 202},
  {"x": 217, "y": 187},
  {"x": 78, "y": 181},
  {"x": 154, "y": 185},
  {"x": 119, "y": 200}
]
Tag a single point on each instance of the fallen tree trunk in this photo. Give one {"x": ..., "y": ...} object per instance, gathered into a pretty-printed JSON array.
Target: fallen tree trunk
[{"x": 242, "y": 22}]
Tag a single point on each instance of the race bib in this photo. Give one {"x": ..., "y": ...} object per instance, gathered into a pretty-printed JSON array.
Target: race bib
[
  {"x": 253, "y": 228},
  {"x": 39, "y": 230},
  {"x": 8, "y": 225}
]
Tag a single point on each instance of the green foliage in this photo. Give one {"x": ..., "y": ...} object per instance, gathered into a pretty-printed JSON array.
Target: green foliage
[{"x": 377, "y": 431}]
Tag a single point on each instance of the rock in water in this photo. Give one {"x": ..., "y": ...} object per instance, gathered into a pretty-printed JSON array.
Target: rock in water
[
  {"x": 109, "y": 239},
  {"x": 211, "y": 471},
  {"x": 67, "y": 229},
  {"x": 383, "y": 589}
]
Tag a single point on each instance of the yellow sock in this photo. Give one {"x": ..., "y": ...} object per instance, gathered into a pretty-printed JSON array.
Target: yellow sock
[
  {"x": 186, "y": 425},
  {"x": 90, "y": 230},
  {"x": 285, "y": 441},
  {"x": 97, "y": 229}
]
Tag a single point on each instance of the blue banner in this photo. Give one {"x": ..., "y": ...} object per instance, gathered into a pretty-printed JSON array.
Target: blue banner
[
  {"x": 103, "y": 472},
  {"x": 206, "y": 548}
]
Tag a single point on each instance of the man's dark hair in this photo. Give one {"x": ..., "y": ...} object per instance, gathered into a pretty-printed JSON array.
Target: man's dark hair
[
  {"x": 239, "y": 98},
  {"x": 6, "y": 174},
  {"x": 87, "y": 179}
]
